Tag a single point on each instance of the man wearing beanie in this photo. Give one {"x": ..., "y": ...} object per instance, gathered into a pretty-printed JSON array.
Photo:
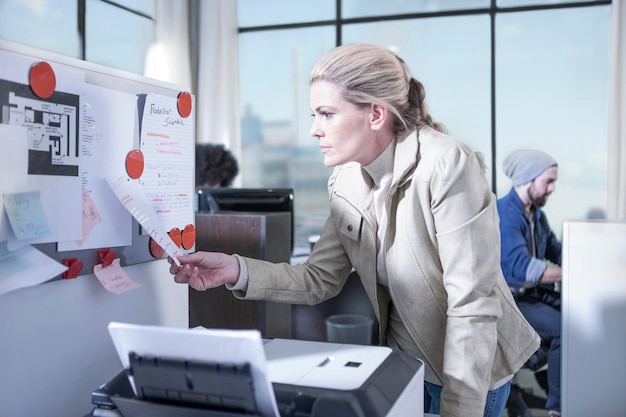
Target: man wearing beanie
[{"x": 531, "y": 254}]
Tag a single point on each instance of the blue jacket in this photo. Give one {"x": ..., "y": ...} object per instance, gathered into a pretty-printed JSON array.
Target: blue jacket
[{"x": 518, "y": 264}]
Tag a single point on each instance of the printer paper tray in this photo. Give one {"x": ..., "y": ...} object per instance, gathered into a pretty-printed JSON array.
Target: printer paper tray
[
  {"x": 131, "y": 407},
  {"x": 117, "y": 395}
]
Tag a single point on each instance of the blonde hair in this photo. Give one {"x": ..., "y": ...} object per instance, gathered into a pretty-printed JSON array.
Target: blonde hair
[{"x": 370, "y": 74}]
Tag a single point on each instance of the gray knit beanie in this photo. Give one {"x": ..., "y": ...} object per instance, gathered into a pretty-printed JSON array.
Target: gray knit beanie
[{"x": 525, "y": 165}]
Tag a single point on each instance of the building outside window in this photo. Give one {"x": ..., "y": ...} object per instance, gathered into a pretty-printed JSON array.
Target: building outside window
[{"x": 500, "y": 75}]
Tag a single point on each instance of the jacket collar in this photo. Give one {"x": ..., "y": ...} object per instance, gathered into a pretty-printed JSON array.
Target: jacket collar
[{"x": 405, "y": 157}]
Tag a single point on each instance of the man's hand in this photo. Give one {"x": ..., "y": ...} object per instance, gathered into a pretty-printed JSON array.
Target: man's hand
[{"x": 551, "y": 275}]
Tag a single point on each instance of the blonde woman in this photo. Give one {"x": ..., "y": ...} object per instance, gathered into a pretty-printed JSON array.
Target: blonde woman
[{"x": 411, "y": 211}]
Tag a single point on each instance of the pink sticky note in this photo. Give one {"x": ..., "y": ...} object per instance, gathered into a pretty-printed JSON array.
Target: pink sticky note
[
  {"x": 91, "y": 216},
  {"x": 113, "y": 278}
]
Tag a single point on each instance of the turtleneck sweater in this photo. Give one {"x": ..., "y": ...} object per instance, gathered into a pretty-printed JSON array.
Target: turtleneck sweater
[{"x": 381, "y": 171}]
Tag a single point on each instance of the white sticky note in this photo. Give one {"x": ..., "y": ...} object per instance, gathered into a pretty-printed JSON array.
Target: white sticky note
[{"x": 113, "y": 278}]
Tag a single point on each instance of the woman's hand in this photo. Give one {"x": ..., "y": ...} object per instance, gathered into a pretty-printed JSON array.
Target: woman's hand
[{"x": 204, "y": 270}]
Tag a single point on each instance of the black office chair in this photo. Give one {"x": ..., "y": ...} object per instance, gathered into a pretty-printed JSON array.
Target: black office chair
[{"x": 522, "y": 400}]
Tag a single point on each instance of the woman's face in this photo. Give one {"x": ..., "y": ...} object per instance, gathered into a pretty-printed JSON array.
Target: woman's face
[{"x": 343, "y": 129}]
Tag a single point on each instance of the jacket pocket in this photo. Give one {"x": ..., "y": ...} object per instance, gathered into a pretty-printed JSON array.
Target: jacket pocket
[{"x": 351, "y": 226}]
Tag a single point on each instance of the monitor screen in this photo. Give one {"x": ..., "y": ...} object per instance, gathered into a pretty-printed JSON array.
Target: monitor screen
[{"x": 265, "y": 200}]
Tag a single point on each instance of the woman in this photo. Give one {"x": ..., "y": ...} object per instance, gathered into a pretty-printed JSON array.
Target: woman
[{"x": 411, "y": 211}]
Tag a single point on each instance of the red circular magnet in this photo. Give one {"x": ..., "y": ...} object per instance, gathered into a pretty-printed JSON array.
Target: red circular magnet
[
  {"x": 134, "y": 163},
  {"x": 42, "y": 79},
  {"x": 155, "y": 250},
  {"x": 184, "y": 104},
  {"x": 189, "y": 236},
  {"x": 175, "y": 235}
]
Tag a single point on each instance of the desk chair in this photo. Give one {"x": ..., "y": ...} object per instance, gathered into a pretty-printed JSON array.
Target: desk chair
[{"x": 522, "y": 400}]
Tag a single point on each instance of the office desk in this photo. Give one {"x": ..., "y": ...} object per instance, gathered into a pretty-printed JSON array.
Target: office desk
[{"x": 264, "y": 236}]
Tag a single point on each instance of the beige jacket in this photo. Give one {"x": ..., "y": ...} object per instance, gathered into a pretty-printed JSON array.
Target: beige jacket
[{"x": 443, "y": 265}]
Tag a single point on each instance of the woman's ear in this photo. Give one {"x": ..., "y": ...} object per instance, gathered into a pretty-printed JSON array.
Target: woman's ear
[{"x": 378, "y": 116}]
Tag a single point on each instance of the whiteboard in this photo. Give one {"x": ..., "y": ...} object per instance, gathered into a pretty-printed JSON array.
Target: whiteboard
[{"x": 127, "y": 110}]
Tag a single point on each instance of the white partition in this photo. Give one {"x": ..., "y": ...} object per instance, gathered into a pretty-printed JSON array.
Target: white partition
[
  {"x": 54, "y": 345},
  {"x": 594, "y": 319},
  {"x": 55, "y": 348}
]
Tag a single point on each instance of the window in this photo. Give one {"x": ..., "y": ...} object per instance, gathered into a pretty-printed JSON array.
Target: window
[
  {"x": 455, "y": 77},
  {"x": 277, "y": 149},
  {"x": 544, "y": 85},
  {"x": 377, "y": 8},
  {"x": 115, "y": 34},
  {"x": 552, "y": 94},
  {"x": 118, "y": 37},
  {"x": 275, "y": 12},
  {"x": 47, "y": 25}
]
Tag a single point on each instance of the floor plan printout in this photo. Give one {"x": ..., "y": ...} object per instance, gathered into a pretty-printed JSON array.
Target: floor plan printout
[{"x": 53, "y": 140}]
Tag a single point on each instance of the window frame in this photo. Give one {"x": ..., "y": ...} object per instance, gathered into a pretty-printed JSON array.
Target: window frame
[{"x": 493, "y": 11}]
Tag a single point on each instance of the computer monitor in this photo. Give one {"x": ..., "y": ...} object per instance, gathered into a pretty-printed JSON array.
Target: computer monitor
[{"x": 214, "y": 200}]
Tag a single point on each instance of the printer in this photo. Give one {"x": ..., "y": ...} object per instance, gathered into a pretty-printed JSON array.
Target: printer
[
  {"x": 344, "y": 380},
  {"x": 308, "y": 379}
]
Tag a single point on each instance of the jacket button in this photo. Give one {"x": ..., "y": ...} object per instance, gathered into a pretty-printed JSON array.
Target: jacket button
[{"x": 349, "y": 228}]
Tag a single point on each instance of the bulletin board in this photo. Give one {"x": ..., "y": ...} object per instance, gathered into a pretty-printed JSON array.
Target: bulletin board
[{"x": 96, "y": 166}]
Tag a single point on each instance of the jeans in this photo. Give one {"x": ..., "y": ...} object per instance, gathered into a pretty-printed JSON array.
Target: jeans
[
  {"x": 546, "y": 321},
  {"x": 496, "y": 399}
]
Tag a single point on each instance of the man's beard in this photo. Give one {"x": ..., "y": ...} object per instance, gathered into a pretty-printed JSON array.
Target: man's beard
[{"x": 538, "y": 201}]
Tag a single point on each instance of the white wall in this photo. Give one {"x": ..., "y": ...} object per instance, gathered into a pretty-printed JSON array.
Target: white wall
[
  {"x": 54, "y": 345},
  {"x": 594, "y": 319}
]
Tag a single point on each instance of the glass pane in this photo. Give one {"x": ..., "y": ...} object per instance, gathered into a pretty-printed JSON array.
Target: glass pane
[
  {"x": 278, "y": 150},
  {"x": 117, "y": 38},
  {"x": 47, "y": 25},
  {"x": 146, "y": 7},
  {"x": 451, "y": 57},
  {"x": 516, "y": 3},
  {"x": 275, "y": 12},
  {"x": 552, "y": 95},
  {"x": 368, "y": 8}
]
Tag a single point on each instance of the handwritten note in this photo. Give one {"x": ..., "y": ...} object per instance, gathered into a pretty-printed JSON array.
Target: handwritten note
[
  {"x": 26, "y": 215},
  {"x": 113, "y": 278},
  {"x": 167, "y": 142},
  {"x": 131, "y": 195}
]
